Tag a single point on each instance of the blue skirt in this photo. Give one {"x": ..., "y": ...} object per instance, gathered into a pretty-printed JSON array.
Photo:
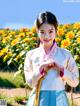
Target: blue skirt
[{"x": 50, "y": 98}]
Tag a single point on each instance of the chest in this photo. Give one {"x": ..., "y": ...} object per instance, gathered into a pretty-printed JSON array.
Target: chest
[{"x": 59, "y": 57}]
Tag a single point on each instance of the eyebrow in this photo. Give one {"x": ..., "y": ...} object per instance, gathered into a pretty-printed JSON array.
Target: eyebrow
[
  {"x": 49, "y": 29},
  {"x": 42, "y": 30}
]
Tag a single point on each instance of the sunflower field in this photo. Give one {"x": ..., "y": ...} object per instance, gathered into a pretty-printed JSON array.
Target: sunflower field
[{"x": 14, "y": 44}]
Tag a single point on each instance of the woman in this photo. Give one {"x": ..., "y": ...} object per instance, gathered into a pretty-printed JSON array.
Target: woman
[{"x": 48, "y": 67}]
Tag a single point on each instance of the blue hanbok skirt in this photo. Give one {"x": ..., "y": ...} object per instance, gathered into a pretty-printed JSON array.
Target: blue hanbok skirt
[{"x": 50, "y": 98}]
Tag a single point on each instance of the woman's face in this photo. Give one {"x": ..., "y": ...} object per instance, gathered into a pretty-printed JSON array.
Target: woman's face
[{"x": 46, "y": 33}]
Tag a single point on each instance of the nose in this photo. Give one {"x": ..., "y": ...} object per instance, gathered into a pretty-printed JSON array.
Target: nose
[{"x": 47, "y": 35}]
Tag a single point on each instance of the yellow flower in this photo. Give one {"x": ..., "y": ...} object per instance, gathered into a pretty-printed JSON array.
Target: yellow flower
[
  {"x": 24, "y": 30},
  {"x": 60, "y": 32},
  {"x": 21, "y": 35},
  {"x": 9, "y": 53},
  {"x": 78, "y": 39},
  {"x": 65, "y": 43},
  {"x": 14, "y": 42},
  {"x": 5, "y": 39},
  {"x": 3, "y": 51},
  {"x": 70, "y": 35},
  {"x": 76, "y": 25},
  {"x": 12, "y": 33},
  {"x": 5, "y": 57},
  {"x": 26, "y": 40},
  {"x": 65, "y": 26},
  {"x": 33, "y": 29},
  {"x": 30, "y": 33},
  {"x": 57, "y": 39},
  {"x": 58, "y": 27},
  {"x": 1, "y": 32},
  {"x": 34, "y": 38},
  {"x": 4, "y": 35}
]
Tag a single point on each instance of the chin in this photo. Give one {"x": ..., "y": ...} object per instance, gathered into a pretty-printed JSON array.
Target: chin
[{"x": 48, "y": 43}]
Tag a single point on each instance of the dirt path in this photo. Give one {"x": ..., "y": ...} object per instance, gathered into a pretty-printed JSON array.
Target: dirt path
[
  {"x": 13, "y": 92},
  {"x": 22, "y": 92},
  {"x": 76, "y": 98}
]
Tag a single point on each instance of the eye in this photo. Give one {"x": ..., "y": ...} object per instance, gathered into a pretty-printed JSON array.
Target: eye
[
  {"x": 42, "y": 32},
  {"x": 51, "y": 31}
]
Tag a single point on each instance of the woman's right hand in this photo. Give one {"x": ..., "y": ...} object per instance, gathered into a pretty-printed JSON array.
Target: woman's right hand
[{"x": 46, "y": 65}]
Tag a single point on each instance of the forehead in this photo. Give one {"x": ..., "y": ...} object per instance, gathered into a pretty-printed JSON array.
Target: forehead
[{"x": 46, "y": 27}]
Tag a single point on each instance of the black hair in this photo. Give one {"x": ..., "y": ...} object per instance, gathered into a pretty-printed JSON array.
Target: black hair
[{"x": 46, "y": 17}]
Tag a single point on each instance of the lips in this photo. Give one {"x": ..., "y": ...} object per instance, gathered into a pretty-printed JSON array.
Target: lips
[{"x": 47, "y": 40}]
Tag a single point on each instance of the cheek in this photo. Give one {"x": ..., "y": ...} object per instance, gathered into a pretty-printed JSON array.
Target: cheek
[
  {"x": 40, "y": 35},
  {"x": 53, "y": 35},
  {"x": 41, "y": 38}
]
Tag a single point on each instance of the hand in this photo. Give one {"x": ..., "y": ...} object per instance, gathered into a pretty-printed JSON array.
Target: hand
[
  {"x": 45, "y": 66},
  {"x": 48, "y": 64}
]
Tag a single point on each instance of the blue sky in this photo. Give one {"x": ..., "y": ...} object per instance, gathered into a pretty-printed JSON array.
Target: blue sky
[{"x": 22, "y": 13}]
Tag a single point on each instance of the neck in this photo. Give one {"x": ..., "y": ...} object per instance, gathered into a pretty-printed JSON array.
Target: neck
[{"x": 48, "y": 47}]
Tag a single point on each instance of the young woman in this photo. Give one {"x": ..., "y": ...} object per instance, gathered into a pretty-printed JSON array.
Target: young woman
[{"x": 48, "y": 67}]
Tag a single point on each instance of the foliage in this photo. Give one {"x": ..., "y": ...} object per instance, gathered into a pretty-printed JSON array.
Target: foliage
[{"x": 7, "y": 80}]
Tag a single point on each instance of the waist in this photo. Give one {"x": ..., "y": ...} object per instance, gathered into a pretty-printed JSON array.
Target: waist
[{"x": 52, "y": 81}]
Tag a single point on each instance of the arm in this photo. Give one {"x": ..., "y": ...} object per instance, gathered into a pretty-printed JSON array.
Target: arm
[
  {"x": 31, "y": 76},
  {"x": 71, "y": 74}
]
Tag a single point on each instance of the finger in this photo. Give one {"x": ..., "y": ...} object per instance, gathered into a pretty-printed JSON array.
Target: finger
[{"x": 50, "y": 64}]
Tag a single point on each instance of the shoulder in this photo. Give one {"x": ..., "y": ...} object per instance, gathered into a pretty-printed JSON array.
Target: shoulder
[{"x": 64, "y": 51}]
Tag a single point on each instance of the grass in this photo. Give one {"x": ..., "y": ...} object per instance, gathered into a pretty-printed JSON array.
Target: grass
[
  {"x": 6, "y": 80},
  {"x": 2, "y": 96},
  {"x": 72, "y": 104},
  {"x": 14, "y": 101}
]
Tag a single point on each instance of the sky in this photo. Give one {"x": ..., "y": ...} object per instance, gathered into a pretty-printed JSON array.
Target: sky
[{"x": 22, "y": 13}]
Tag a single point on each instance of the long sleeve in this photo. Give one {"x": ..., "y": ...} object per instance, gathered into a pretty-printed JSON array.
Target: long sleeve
[
  {"x": 31, "y": 76},
  {"x": 71, "y": 73}
]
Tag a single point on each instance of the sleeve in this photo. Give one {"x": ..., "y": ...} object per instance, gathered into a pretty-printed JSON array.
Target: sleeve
[
  {"x": 71, "y": 73},
  {"x": 31, "y": 76}
]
